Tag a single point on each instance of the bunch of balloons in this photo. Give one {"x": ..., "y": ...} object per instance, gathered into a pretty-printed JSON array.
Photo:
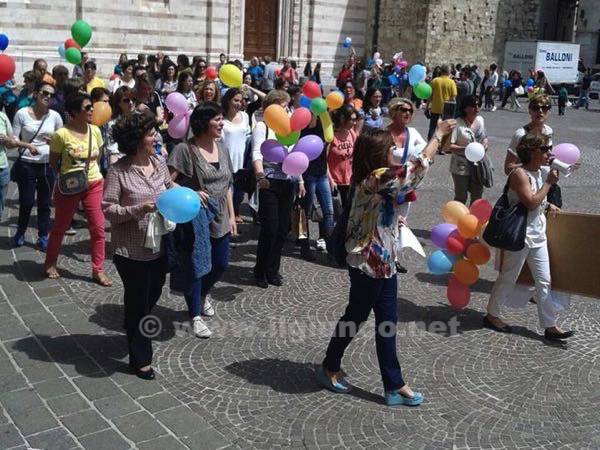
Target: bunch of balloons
[
  {"x": 178, "y": 204},
  {"x": 230, "y": 75},
  {"x": 178, "y": 105},
  {"x": 81, "y": 33},
  {"x": 399, "y": 62},
  {"x": 7, "y": 64},
  {"x": 377, "y": 59},
  {"x": 416, "y": 78},
  {"x": 460, "y": 248}
]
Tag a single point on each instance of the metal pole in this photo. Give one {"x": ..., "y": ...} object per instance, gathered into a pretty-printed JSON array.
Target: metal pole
[{"x": 575, "y": 13}]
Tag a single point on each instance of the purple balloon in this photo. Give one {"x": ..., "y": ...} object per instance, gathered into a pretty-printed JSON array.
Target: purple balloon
[
  {"x": 295, "y": 164},
  {"x": 311, "y": 145},
  {"x": 567, "y": 153},
  {"x": 440, "y": 233},
  {"x": 273, "y": 151}
]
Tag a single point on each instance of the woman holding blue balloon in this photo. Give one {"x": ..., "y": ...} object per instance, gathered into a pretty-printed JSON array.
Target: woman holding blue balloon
[{"x": 133, "y": 185}]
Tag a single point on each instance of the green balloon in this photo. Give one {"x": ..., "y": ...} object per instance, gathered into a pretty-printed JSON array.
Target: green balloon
[
  {"x": 422, "y": 90},
  {"x": 73, "y": 55},
  {"x": 318, "y": 105},
  {"x": 290, "y": 139},
  {"x": 81, "y": 32}
]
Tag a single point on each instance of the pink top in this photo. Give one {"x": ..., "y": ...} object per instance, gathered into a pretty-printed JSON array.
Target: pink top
[{"x": 339, "y": 157}]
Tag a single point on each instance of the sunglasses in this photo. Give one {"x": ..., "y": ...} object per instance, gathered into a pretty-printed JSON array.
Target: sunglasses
[
  {"x": 88, "y": 108},
  {"x": 353, "y": 119},
  {"x": 545, "y": 148},
  {"x": 126, "y": 100},
  {"x": 47, "y": 94},
  {"x": 544, "y": 108},
  {"x": 406, "y": 110}
]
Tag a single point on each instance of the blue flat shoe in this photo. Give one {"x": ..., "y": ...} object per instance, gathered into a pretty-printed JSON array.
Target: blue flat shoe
[
  {"x": 42, "y": 243},
  {"x": 395, "y": 398},
  {"x": 19, "y": 240},
  {"x": 340, "y": 387}
]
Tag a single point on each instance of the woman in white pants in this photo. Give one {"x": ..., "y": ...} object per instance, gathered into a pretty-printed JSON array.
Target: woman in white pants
[{"x": 526, "y": 185}]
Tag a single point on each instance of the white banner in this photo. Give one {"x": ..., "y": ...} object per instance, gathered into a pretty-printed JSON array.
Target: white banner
[{"x": 558, "y": 60}]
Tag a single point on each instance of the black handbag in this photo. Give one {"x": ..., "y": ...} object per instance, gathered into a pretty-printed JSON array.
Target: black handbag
[
  {"x": 507, "y": 226},
  {"x": 76, "y": 181}
]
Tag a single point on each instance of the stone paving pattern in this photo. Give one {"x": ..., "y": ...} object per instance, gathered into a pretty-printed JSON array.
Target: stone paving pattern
[{"x": 63, "y": 360}]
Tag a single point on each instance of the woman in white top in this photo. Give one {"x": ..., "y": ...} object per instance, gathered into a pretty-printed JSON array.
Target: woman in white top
[
  {"x": 236, "y": 131},
  {"x": 185, "y": 85},
  {"x": 470, "y": 127},
  {"x": 125, "y": 79},
  {"x": 527, "y": 185},
  {"x": 35, "y": 125}
]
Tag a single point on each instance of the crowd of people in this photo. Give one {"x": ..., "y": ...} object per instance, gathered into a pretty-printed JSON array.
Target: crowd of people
[{"x": 366, "y": 179}]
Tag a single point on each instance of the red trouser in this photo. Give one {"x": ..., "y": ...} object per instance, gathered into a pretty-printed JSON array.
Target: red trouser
[{"x": 64, "y": 209}]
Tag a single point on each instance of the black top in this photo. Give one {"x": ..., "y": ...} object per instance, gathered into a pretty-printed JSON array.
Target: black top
[{"x": 317, "y": 167}]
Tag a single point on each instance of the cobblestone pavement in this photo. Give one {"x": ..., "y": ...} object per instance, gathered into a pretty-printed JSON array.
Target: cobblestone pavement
[{"x": 64, "y": 380}]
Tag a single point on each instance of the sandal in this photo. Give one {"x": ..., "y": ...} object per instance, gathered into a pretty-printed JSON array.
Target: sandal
[
  {"x": 52, "y": 273},
  {"x": 102, "y": 279}
]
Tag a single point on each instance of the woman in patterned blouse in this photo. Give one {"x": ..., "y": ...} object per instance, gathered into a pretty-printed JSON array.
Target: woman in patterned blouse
[{"x": 377, "y": 181}]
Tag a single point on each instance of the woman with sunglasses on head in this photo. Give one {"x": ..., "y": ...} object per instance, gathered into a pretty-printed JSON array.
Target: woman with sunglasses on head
[
  {"x": 529, "y": 185},
  {"x": 73, "y": 148},
  {"x": 122, "y": 104},
  {"x": 33, "y": 126},
  {"x": 340, "y": 151}
]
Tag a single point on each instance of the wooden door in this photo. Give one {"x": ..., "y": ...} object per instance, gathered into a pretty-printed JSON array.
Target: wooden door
[{"x": 260, "y": 28}]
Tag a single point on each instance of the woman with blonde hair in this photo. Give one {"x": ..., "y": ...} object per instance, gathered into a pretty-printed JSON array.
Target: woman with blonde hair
[{"x": 208, "y": 91}]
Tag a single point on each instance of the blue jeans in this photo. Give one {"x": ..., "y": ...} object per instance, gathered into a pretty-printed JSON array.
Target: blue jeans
[
  {"x": 238, "y": 198},
  {"x": 197, "y": 292},
  {"x": 4, "y": 180},
  {"x": 34, "y": 178},
  {"x": 366, "y": 294},
  {"x": 584, "y": 99},
  {"x": 319, "y": 188}
]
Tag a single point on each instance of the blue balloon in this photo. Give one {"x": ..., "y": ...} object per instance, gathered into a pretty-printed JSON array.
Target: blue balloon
[
  {"x": 440, "y": 262},
  {"x": 530, "y": 82},
  {"x": 507, "y": 83},
  {"x": 61, "y": 50},
  {"x": 3, "y": 42},
  {"x": 305, "y": 101},
  {"x": 346, "y": 44},
  {"x": 393, "y": 80},
  {"x": 370, "y": 62},
  {"x": 416, "y": 74},
  {"x": 179, "y": 204}
]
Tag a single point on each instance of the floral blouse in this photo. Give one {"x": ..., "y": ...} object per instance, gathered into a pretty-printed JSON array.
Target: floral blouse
[{"x": 373, "y": 221}]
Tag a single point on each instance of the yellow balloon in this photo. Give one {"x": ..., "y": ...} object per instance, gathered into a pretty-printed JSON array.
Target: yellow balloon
[
  {"x": 276, "y": 118},
  {"x": 334, "y": 100},
  {"x": 453, "y": 211},
  {"x": 230, "y": 75},
  {"x": 327, "y": 126},
  {"x": 101, "y": 114}
]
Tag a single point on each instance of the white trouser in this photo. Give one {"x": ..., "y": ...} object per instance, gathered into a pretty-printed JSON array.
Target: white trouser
[
  {"x": 539, "y": 264},
  {"x": 513, "y": 100}
]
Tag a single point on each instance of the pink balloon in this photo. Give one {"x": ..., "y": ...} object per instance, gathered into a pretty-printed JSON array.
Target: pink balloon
[
  {"x": 295, "y": 164},
  {"x": 458, "y": 294},
  {"x": 482, "y": 209},
  {"x": 300, "y": 119},
  {"x": 311, "y": 145},
  {"x": 177, "y": 104},
  {"x": 178, "y": 127},
  {"x": 273, "y": 151},
  {"x": 567, "y": 153}
]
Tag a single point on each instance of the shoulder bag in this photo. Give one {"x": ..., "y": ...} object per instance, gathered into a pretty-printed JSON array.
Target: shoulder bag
[{"x": 76, "y": 181}]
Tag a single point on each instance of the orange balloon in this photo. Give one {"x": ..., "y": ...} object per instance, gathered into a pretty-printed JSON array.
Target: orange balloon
[
  {"x": 478, "y": 253},
  {"x": 466, "y": 272},
  {"x": 334, "y": 100},
  {"x": 276, "y": 118},
  {"x": 468, "y": 226},
  {"x": 453, "y": 211},
  {"x": 101, "y": 114}
]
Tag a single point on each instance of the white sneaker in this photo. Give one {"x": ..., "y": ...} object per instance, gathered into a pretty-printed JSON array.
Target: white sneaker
[
  {"x": 321, "y": 245},
  {"x": 209, "y": 311},
  {"x": 200, "y": 328},
  {"x": 494, "y": 108}
]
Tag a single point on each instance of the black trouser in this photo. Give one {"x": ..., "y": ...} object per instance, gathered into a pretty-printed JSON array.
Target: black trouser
[
  {"x": 274, "y": 209},
  {"x": 344, "y": 190},
  {"x": 561, "y": 107},
  {"x": 143, "y": 282},
  {"x": 433, "y": 125},
  {"x": 34, "y": 178}
]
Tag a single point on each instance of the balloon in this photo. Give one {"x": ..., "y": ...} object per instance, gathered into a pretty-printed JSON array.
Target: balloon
[
  {"x": 177, "y": 104},
  {"x": 468, "y": 226},
  {"x": 101, "y": 114},
  {"x": 466, "y": 272},
  {"x": 71, "y": 43},
  {"x": 478, "y": 253},
  {"x": 455, "y": 244},
  {"x": 347, "y": 42},
  {"x": 210, "y": 73},
  {"x": 304, "y": 101},
  {"x": 422, "y": 90},
  {"x": 230, "y": 75},
  {"x": 61, "y": 50},
  {"x": 530, "y": 82},
  {"x": 7, "y": 68},
  {"x": 3, "y": 42},
  {"x": 440, "y": 262},
  {"x": 318, "y": 105},
  {"x": 295, "y": 164},
  {"x": 376, "y": 55},
  {"x": 507, "y": 83},
  {"x": 179, "y": 204},
  {"x": 567, "y": 153},
  {"x": 73, "y": 55},
  {"x": 440, "y": 233},
  {"x": 81, "y": 32},
  {"x": 178, "y": 126},
  {"x": 311, "y": 145},
  {"x": 290, "y": 139},
  {"x": 300, "y": 119},
  {"x": 392, "y": 80},
  {"x": 334, "y": 100},
  {"x": 327, "y": 126},
  {"x": 481, "y": 209},
  {"x": 457, "y": 293},
  {"x": 452, "y": 211},
  {"x": 276, "y": 118},
  {"x": 379, "y": 61},
  {"x": 530, "y": 89},
  {"x": 397, "y": 68},
  {"x": 474, "y": 152},
  {"x": 403, "y": 64},
  {"x": 273, "y": 151},
  {"x": 311, "y": 89},
  {"x": 416, "y": 74}
]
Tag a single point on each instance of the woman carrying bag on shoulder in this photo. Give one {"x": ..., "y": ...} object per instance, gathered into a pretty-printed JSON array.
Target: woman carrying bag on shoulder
[{"x": 74, "y": 152}]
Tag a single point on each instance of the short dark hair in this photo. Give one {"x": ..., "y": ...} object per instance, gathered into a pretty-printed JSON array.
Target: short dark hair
[
  {"x": 129, "y": 130},
  {"x": 469, "y": 100},
  {"x": 227, "y": 97},
  {"x": 183, "y": 76},
  {"x": 97, "y": 94},
  {"x": 127, "y": 64},
  {"x": 530, "y": 142},
  {"x": 202, "y": 115},
  {"x": 74, "y": 102},
  {"x": 90, "y": 65},
  {"x": 183, "y": 60},
  {"x": 59, "y": 70},
  {"x": 342, "y": 115}
]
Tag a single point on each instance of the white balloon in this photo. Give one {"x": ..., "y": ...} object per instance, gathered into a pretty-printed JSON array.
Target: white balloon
[
  {"x": 474, "y": 152},
  {"x": 376, "y": 55},
  {"x": 379, "y": 61}
]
